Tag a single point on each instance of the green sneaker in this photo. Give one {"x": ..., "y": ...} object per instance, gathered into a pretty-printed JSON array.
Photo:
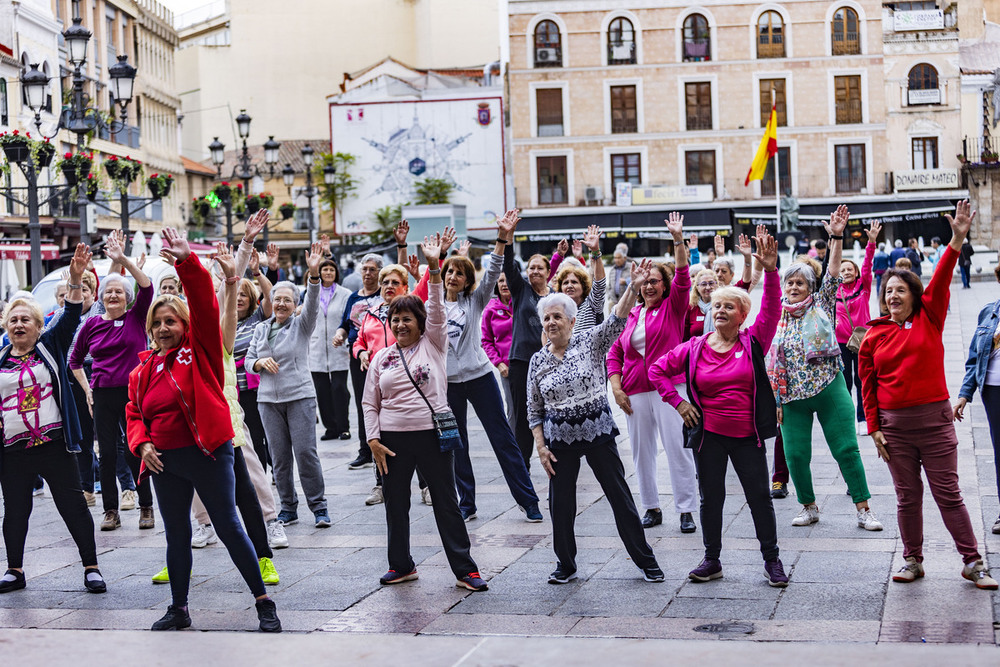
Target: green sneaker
[
  {"x": 267, "y": 572},
  {"x": 161, "y": 577}
]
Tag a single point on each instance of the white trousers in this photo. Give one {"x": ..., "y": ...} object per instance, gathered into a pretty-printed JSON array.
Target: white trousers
[
  {"x": 651, "y": 417},
  {"x": 261, "y": 485}
]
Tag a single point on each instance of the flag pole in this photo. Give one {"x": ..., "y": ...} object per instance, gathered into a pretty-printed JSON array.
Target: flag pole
[{"x": 777, "y": 182}]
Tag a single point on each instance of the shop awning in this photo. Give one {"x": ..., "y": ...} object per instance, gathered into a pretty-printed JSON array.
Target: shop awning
[
  {"x": 632, "y": 224},
  {"x": 888, "y": 211},
  {"x": 22, "y": 251}
]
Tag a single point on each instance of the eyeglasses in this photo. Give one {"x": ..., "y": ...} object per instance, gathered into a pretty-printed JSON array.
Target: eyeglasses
[
  {"x": 654, "y": 281},
  {"x": 282, "y": 299},
  {"x": 708, "y": 284}
]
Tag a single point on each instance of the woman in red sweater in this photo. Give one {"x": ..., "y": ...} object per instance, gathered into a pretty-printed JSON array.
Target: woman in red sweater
[
  {"x": 179, "y": 425},
  {"x": 901, "y": 364}
]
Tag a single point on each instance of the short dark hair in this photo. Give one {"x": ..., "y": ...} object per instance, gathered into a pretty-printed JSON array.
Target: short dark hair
[
  {"x": 936, "y": 239},
  {"x": 821, "y": 245},
  {"x": 336, "y": 269},
  {"x": 912, "y": 281},
  {"x": 412, "y": 304},
  {"x": 465, "y": 265}
]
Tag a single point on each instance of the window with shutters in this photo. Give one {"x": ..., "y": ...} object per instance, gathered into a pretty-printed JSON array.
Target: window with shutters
[
  {"x": 850, "y": 167},
  {"x": 626, "y": 168},
  {"x": 847, "y": 92},
  {"x": 845, "y": 38},
  {"x": 624, "y": 114},
  {"x": 549, "y": 112},
  {"x": 922, "y": 85},
  {"x": 698, "y": 105},
  {"x": 552, "y": 180},
  {"x": 699, "y": 168},
  {"x": 779, "y": 101},
  {"x": 925, "y": 153},
  {"x": 770, "y": 36}
]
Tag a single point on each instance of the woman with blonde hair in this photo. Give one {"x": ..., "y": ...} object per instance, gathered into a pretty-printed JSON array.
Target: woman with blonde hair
[
  {"x": 575, "y": 282},
  {"x": 699, "y": 320}
]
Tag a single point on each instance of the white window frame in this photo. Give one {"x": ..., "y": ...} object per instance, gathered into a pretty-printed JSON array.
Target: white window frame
[
  {"x": 789, "y": 93},
  {"x": 712, "y": 33},
  {"x": 832, "y": 92},
  {"x": 533, "y": 156},
  {"x": 924, "y": 135},
  {"x": 530, "y": 39},
  {"x": 606, "y": 25},
  {"x": 640, "y": 121},
  {"x": 608, "y": 151},
  {"x": 786, "y": 21},
  {"x": 831, "y": 165},
  {"x": 862, "y": 28},
  {"x": 720, "y": 184},
  {"x": 712, "y": 79},
  {"x": 533, "y": 105}
]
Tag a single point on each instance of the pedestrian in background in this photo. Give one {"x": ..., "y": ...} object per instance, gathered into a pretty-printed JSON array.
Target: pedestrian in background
[
  {"x": 965, "y": 263},
  {"x": 328, "y": 364}
]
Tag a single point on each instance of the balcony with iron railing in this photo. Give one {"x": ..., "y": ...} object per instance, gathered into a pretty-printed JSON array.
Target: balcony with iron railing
[
  {"x": 624, "y": 125},
  {"x": 846, "y": 44},
  {"x": 848, "y": 183},
  {"x": 128, "y": 136},
  {"x": 700, "y": 119}
]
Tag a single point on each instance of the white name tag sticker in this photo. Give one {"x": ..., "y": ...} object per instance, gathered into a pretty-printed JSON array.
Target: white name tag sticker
[
  {"x": 908, "y": 325},
  {"x": 700, "y": 319},
  {"x": 739, "y": 354},
  {"x": 159, "y": 368},
  {"x": 119, "y": 323}
]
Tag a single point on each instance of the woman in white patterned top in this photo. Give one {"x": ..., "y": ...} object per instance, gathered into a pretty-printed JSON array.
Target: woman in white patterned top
[{"x": 570, "y": 418}]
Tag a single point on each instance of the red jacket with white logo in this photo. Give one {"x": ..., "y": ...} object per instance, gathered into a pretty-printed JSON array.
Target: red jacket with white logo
[{"x": 194, "y": 369}]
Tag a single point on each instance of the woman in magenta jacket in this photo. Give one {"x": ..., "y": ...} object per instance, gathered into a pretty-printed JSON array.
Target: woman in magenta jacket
[
  {"x": 653, "y": 329},
  {"x": 853, "y": 297},
  {"x": 497, "y": 327}
]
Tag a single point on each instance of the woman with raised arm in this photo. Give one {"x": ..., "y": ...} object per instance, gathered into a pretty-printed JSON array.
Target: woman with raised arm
[
  {"x": 853, "y": 297},
  {"x": 497, "y": 329},
  {"x": 40, "y": 430},
  {"x": 901, "y": 363},
  {"x": 576, "y": 283},
  {"x": 407, "y": 383},
  {"x": 571, "y": 419},
  {"x": 329, "y": 364},
  {"x": 179, "y": 423},
  {"x": 804, "y": 368},
  {"x": 654, "y": 328},
  {"x": 114, "y": 341},
  {"x": 279, "y": 352},
  {"x": 731, "y": 412}
]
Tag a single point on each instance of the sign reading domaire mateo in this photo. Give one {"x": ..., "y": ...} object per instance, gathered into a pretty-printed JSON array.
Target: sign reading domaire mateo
[{"x": 925, "y": 179}]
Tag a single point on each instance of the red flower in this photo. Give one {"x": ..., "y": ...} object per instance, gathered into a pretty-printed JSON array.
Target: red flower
[
  {"x": 90, "y": 176},
  {"x": 68, "y": 156},
  {"x": 27, "y": 134},
  {"x": 239, "y": 186},
  {"x": 15, "y": 133},
  {"x": 154, "y": 175},
  {"x": 170, "y": 175},
  {"x": 226, "y": 183}
]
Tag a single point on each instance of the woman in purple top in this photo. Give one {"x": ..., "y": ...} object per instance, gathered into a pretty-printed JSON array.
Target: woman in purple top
[
  {"x": 114, "y": 340},
  {"x": 731, "y": 411}
]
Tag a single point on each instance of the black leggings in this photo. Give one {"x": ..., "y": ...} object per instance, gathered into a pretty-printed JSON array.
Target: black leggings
[
  {"x": 358, "y": 385},
  {"x": 518, "y": 378},
  {"x": 853, "y": 379},
  {"x": 109, "y": 422},
  {"x": 333, "y": 399},
  {"x": 58, "y": 468},
  {"x": 249, "y": 506},
  {"x": 85, "y": 459},
  {"x": 251, "y": 417}
]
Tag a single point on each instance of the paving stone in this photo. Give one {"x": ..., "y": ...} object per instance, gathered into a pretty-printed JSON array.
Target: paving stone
[{"x": 847, "y": 602}]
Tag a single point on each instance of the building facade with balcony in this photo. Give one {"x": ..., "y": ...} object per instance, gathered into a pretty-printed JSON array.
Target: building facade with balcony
[{"x": 621, "y": 113}]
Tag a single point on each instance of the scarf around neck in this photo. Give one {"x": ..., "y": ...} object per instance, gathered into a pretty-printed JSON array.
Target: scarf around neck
[
  {"x": 819, "y": 340},
  {"x": 706, "y": 310}
]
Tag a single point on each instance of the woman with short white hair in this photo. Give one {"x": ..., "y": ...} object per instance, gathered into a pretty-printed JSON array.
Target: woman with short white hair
[{"x": 570, "y": 418}]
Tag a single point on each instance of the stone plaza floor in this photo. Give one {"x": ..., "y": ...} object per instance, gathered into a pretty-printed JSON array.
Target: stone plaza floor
[{"x": 840, "y": 604}]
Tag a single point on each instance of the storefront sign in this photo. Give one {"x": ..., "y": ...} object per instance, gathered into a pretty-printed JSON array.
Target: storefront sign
[
  {"x": 925, "y": 179},
  {"x": 926, "y": 19},
  {"x": 671, "y": 194}
]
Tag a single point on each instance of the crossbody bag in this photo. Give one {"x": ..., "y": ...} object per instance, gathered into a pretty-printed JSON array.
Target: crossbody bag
[
  {"x": 444, "y": 422},
  {"x": 857, "y": 332}
]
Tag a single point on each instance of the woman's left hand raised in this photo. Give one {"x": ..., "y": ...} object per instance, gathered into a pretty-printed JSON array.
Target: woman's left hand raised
[
  {"x": 432, "y": 249},
  {"x": 224, "y": 256},
  {"x": 81, "y": 258},
  {"x": 175, "y": 245},
  {"x": 314, "y": 258},
  {"x": 640, "y": 273},
  {"x": 838, "y": 221}
]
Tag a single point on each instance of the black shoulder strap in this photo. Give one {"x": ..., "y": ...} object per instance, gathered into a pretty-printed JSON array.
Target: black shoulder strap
[{"x": 406, "y": 368}]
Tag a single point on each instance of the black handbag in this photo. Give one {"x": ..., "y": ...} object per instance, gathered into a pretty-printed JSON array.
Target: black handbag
[{"x": 444, "y": 422}]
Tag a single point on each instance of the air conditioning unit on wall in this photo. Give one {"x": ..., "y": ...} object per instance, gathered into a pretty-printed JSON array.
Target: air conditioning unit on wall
[
  {"x": 593, "y": 193},
  {"x": 546, "y": 55}
]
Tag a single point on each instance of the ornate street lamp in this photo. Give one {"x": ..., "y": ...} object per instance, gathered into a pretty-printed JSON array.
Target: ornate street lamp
[
  {"x": 329, "y": 174},
  {"x": 36, "y": 85},
  {"x": 243, "y": 124},
  {"x": 218, "y": 151},
  {"x": 77, "y": 37},
  {"x": 288, "y": 175},
  {"x": 271, "y": 148}
]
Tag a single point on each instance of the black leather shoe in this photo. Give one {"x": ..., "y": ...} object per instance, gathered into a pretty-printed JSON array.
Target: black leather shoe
[
  {"x": 346, "y": 435},
  {"x": 176, "y": 618},
  {"x": 359, "y": 463},
  {"x": 328, "y": 436},
  {"x": 687, "y": 523},
  {"x": 16, "y": 585},
  {"x": 267, "y": 614},
  {"x": 780, "y": 490},
  {"x": 94, "y": 585},
  {"x": 652, "y": 518}
]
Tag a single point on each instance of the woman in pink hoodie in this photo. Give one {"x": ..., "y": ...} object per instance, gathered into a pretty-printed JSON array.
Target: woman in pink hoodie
[
  {"x": 853, "y": 297},
  {"x": 497, "y": 327}
]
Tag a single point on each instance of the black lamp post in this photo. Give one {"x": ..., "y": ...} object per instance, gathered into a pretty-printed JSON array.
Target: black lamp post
[
  {"x": 244, "y": 169},
  {"x": 329, "y": 176}
]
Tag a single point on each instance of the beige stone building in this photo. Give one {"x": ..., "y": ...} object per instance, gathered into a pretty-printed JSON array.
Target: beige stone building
[{"x": 666, "y": 96}]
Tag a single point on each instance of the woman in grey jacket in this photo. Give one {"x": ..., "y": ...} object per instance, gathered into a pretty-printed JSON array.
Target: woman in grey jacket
[
  {"x": 471, "y": 379},
  {"x": 327, "y": 363},
  {"x": 286, "y": 397}
]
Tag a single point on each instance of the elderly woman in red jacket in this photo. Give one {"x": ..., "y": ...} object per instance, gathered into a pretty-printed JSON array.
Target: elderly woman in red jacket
[
  {"x": 901, "y": 364},
  {"x": 179, "y": 425}
]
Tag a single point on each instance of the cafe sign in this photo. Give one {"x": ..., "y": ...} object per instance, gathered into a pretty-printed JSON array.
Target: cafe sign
[{"x": 925, "y": 179}]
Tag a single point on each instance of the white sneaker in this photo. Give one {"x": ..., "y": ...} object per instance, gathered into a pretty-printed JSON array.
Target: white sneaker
[
  {"x": 276, "y": 537},
  {"x": 425, "y": 495},
  {"x": 867, "y": 520},
  {"x": 203, "y": 536},
  {"x": 376, "y": 497},
  {"x": 808, "y": 516},
  {"x": 128, "y": 500},
  {"x": 862, "y": 428}
]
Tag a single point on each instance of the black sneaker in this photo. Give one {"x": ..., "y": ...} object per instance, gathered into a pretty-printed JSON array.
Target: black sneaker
[
  {"x": 531, "y": 513},
  {"x": 346, "y": 435},
  {"x": 710, "y": 568},
  {"x": 176, "y": 618},
  {"x": 359, "y": 463},
  {"x": 775, "y": 573},
  {"x": 652, "y": 518},
  {"x": 94, "y": 585},
  {"x": 267, "y": 614},
  {"x": 653, "y": 574},
  {"x": 6, "y": 585},
  {"x": 288, "y": 518},
  {"x": 393, "y": 577},
  {"x": 473, "y": 582},
  {"x": 779, "y": 490},
  {"x": 328, "y": 436},
  {"x": 562, "y": 576},
  {"x": 687, "y": 523}
]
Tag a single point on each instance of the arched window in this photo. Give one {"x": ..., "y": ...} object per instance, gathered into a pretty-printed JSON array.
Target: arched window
[
  {"x": 621, "y": 42},
  {"x": 922, "y": 84},
  {"x": 548, "y": 45},
  {"x": 770, "y": 36},
  {"x": 697, "y": 39},
  {"x": 846, "y": 38}
]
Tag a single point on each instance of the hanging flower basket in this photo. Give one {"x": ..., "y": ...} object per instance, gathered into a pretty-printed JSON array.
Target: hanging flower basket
[
  {"x": 287, "y": 210},
  {"x": 201, "y": 209},
  {"x": 223, "y": 190},
  {"x": 123, "y": 171},
  {"x": 15, "y": 146},
  {"x": 42, "y": 153},
  {"x": 253, "y": 204},
  {"x": 76, "y": 167},
  {"x": 266, "y": 200},
  {"x": 93, "y": 187},
  {"x": 159, "y": 185}
]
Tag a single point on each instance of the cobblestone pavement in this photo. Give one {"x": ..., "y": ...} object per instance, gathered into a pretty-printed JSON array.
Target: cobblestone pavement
[{"x": 839, "y": 592}]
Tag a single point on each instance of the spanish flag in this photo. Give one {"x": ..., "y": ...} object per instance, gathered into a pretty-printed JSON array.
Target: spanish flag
[{"x": 768, "y": 147}]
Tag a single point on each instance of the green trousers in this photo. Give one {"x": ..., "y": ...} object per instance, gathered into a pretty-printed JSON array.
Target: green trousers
[{"x": 835, "y": 410}]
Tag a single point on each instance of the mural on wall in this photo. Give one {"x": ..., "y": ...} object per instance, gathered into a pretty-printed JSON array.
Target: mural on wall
[{"x": 400, "y": 143}]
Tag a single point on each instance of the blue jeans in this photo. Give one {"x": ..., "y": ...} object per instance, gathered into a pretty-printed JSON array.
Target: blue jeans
[
  {"x": 484, "y": 394},
  {"x": 185, "y": 471},
  {"x": 991, "y": 402}
]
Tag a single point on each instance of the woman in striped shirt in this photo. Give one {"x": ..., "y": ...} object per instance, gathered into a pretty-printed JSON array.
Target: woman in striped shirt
[{"x": 576, "y": 283}]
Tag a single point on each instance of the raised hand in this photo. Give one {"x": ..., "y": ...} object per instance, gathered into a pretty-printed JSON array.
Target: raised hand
[
  {"x": 675, "y": 225},
  {"x": 961, "y": 223},
  {"x": 400, "y": 232},
  {"x": 745, "y": 247},
  {"x": 313, "y": 259},
  {"x": 838, "y": 221},
  {"x": 577, "y": 248},
  {"x": 508, "y": 224},
  {"x": 224, "y": 256},
  {"x": 413, "y": 266},
  {"x": 640, "y": 273},
  {"x": 720, "y": 246},
  {"x": 272, "y": 256},
  {"x": 433, "y": 248},
  {"x": 463, "y": 247},
  {"x": 77, "y": 265},
  {"x": 563, "y": 248},
  {"x": 142, "y": 261},
  {"x": 693, "y": 242},
  {"x": 325, "y": 240},
  {"x": 873, "y": 230},
  {"x": 767, "y": 252},
  {"x": 175, "y": 245},
  {"x": 592, "y": 238},
  {"x": 254, "y": 263},
  {"x": 255, "y": 225},
  {"x": 114, "y": 247}
]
